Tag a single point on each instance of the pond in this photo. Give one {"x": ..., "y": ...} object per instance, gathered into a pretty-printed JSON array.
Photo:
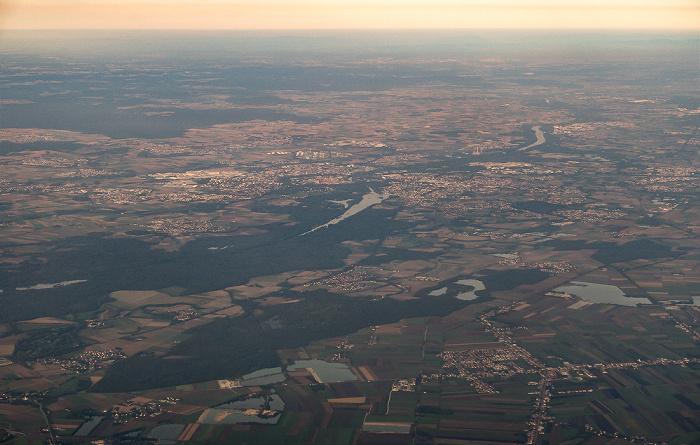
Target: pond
[
  {"x": 87, "y": 427},
  {"x": 438, "y": 292},
  {"x": 166, "y": 434},
  {"x": 261, "y": 410},
  {"x": 387, "y": 427},
  {"x": 476, "y": 286},
  {"x": 51, "y": 285},
  {"x": 693, "y": 301},
  {"x": 509, "y": 256},
  {"x": 601, "y": 293},
  {"x": 274, "y": 401},
  {"x": 325, "y": 372},
  {"x": 266, "y": 376},
  {"x": 470, "y": 295}
]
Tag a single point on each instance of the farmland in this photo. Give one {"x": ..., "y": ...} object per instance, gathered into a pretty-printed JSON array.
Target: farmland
[{"x": 383, "y": 245}]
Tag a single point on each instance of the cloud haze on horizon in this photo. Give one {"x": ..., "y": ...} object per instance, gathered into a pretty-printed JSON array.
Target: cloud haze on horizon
[{"x": 345, "y": 14}]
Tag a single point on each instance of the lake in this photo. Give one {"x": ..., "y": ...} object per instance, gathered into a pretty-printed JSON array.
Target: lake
[
  {"x": 387, "y": 427},
  {"x": 275, "y": 401},
  {"x": 466, "y": 296},
  {"x": 326, "y": 372},
  {"x": 601, "y": 293},
  {"x": 166, "y": 434},
  {"x": 87, "y": 427},
  {"x": 51, "y": 285},
  {"x": 368, "y": 200},
  {"x": 244, "y": 411},
  {"x": 470, "y": 295},
  {"x": 540, "y": 138},
  {"x": 266, "y": 376}
]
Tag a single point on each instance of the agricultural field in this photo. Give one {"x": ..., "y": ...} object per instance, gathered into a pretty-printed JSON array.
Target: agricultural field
[{"x": 350, "y": 240}]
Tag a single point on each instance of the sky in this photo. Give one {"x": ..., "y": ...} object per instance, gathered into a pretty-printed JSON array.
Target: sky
[{"x": 351, "y": 14}]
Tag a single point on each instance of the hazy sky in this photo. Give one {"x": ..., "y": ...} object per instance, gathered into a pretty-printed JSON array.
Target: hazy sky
[{"x": 349, "y": 14}]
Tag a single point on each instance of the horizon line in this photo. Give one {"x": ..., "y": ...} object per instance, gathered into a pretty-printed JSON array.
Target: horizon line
[{"x": 565, "y": 29}]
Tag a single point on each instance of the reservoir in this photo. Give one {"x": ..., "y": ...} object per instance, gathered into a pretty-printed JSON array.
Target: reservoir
[
  {"x": 438, "y": 292},
  {"x": 540, "y": 138},
  {"x": 87, "y": 427},
  {"x": 251, "y": 410},
  {"x": 326, "y": 372},
  {"x": 275, "y": 403},
  {"x": 214, "y": 416},
  {"x": 266, "y": 376},
  {"x": 601, "y": 293},
  {"x": 368, "y": 200},
  {"x": 51, "y": 285},
  {"x": 471, "y": 295},
  {"x": 466, "y": 296},
  {"x": 166, "y": 434}
]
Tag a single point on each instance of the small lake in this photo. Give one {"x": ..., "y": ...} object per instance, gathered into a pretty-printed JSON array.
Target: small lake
[
  {"x": 87, "y": 427},
  {"x": 470, "y": 295},
  {"x": 693, "y": 301},
  {"x": 266, "y": 376},
  {"x": 387, "y": 427},
  {"x": 244, "y": 411},
  {"x": 438, "y": 292},
  {"x": 368, "y": 200},
  {"x": 466, "y": 296},
  {"x": 601, "y": 293},
  {"x": 326, "y": 372},
  {"x": 215, "y": 416},
  {"x": 51, "y": 285},
  {"x": 551, "y": 237},
  {"x": 508, "y": 256},
  {"x": 166, "y": 434},
  {"x": 275, "y": 401}
]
